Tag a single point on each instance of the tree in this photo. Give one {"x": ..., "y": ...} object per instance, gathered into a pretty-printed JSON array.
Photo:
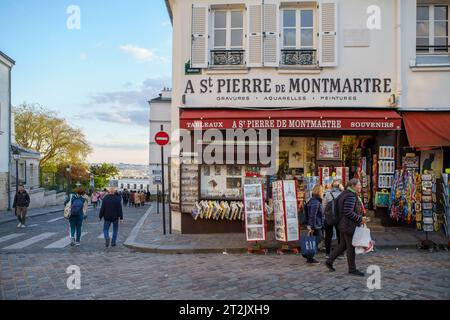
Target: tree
[
  {"x": 40, "y": 129},
  {"x": 102, "y": 173}
]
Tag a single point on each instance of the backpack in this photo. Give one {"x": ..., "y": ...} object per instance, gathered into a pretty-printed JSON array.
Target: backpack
[
  {"x": 332, "y": 211},
  {"x": 304, "y": 219},
  {"x": 76, "y": 208}
]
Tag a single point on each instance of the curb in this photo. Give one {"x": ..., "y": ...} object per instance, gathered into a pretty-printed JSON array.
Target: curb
[{"x": 135, "y": 231}]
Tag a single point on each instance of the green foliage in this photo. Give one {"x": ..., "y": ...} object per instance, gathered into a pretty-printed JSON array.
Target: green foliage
[{"x": 103, "y": 173}]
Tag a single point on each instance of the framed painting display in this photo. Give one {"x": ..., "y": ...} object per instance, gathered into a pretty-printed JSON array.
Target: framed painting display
[
  {"x": 286, "y": 210},
  {"x": 329, "y": 149},
  {"x": 255, "y": 214},
  {"x": 387, "y": 153},
  {"x": 174, "y": 183}
]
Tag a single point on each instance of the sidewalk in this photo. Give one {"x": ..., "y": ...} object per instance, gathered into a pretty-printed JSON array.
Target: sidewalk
[
  {"x": 8, "y": 216},
  {"x": 147, "y": 236}
]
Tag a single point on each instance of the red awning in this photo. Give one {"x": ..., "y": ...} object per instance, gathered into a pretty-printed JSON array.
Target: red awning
[
  {"x": 427, "y": 129},
  {"x": 318, "y": 119}
]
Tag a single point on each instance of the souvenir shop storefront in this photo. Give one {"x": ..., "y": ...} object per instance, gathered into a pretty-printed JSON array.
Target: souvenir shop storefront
[
  {"x": 313, "y": 146},
  {"x": 419, "y": 197}
]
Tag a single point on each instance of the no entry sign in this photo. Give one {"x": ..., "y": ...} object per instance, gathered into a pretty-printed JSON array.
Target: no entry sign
[{"x": 162, "y": 138}]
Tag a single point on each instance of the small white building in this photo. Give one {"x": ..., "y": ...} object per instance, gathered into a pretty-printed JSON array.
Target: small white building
[
  {"x": 6, "y": 64},
  {"x": 134, "y": 183},
  {"x": 160, "y": 116}
]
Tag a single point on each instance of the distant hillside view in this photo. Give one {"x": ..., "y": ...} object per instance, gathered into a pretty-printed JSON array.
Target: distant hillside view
[{"x": 131, "y": 170}]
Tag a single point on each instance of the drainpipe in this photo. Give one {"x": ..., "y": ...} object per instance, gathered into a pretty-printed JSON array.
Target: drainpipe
[
  {"x": 399, "y": 51},
  {"x": 9, "y": 143}
]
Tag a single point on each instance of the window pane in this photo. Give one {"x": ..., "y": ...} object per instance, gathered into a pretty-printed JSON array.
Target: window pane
[
  {"x": 289, "y": 18},
  {"x": 236, "y": 38},
  {"x": 440, "y": 29},
  {"x": 307, "y": 38},
  {"x": 440, "y": 42},
  {"x": 289, "y": 37},
  {"x": 422, "y": 29},
  {"x": 220, "y": 38},
  {"x": 237, "y": 19},
  {"x": 220, "y": 19},
  {"x": 422, "y": 42},
  {"x": 440, "y": 13},
  {"x": 306, "y": 18},
  {"x": 422, "y": 13}
]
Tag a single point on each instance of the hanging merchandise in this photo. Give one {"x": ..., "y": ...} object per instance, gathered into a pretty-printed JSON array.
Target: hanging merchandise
[
  {"x": 428, "y": 205},
  {"x": 402, "y": 201},
  {"x": 218, "y": 210},
  {"x": 343, "y": 174},
  {"x": 418, "y": 201},
  {"x": 382, "y": 199},
  {"x": 324, "y": 175},
  {"x": 446, "y": 202}
]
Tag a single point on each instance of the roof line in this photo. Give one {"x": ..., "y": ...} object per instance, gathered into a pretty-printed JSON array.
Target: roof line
[
  {"x": 169, "y": 10},
  {"x": 7, "y": 58}
]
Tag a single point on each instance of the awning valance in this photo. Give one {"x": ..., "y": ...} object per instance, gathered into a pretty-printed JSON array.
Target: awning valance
[
  {"x": 427, "y": 129},
  {"x": 317, "y": 119}
]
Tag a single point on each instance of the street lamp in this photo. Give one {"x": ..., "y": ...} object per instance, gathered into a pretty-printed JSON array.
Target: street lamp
[
  {"x": 16, "y": 157},
  {"x": 68, "y": 169}
]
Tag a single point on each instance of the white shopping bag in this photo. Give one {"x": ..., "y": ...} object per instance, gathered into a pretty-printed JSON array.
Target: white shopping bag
[{"x": 361, "y": 237}]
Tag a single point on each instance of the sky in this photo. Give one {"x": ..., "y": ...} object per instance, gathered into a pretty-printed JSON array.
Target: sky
[{"x": 98, "y": 77}]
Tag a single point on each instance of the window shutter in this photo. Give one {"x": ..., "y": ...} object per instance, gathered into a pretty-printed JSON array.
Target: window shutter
[
  {"x": 271, "y": 34},
  {"x": 255, "y": 41},
  {"x": 328, "y": 49},
  {"x": 199, "y": 45}
]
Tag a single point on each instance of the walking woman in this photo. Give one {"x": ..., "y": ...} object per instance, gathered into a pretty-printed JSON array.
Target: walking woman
[
  {"x": 315, "y": 218},
  {"x": 78, "y": 203},
  {"x": 94, "y": 199},
  {"x": 331, "y": 220},
  {"x": 137, "y": 199}
]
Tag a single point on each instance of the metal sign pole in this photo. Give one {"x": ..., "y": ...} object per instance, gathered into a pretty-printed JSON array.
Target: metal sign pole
[{"x": 163, "y": 187}]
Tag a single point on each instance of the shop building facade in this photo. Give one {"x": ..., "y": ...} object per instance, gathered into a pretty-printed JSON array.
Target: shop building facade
[{"x": 328, "y": 84}]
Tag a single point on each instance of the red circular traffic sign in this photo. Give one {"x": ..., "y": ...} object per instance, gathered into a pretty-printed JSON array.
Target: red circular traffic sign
[{"x": 162, "y": 138}]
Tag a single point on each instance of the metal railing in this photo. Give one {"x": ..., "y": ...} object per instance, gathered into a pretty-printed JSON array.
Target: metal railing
[
  {"x": 227, "y": 57},
  {"x": 432, "y": 49},
  {"x": 298, "y": 57}
]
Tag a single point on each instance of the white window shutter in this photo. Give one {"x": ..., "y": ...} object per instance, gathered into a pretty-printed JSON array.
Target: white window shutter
[
  {"x": 328, "y": 48},
  {"x": 271, "y": 34},
  {"x": 254, "y": 38},
  {"x": 199, "y": 45}
]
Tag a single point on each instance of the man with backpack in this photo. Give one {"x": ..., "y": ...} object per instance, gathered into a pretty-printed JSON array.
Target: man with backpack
[
  {"x": 21, "y": 204},
  {"x": 350, "y": 207},
  {"x": 331, "y": 215},
  {"x": 78, "y": 203}
]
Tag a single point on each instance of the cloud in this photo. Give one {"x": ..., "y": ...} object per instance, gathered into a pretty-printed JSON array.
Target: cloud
[
  {"x": 140, "y": 54},
  {"x": 126, "y": 106},
  {"x": 83, "y": 56}
]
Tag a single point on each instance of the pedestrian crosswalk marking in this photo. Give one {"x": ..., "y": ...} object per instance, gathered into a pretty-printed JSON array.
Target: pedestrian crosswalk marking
[
  {"x": 29, "y": 242},
  {"x": 64, "y": 242},
  {"x": 102, "y": 236},
  {"x": 54, "y": 220},
  {"x": 11, "y": 236},
  {"x": 33, "y": 226}
]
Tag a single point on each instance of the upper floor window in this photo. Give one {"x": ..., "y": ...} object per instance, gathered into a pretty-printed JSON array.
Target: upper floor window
[
  {"x": 298, "y": 37},
  {"x": 432, "y": 29},
  {"x": 228, "y": 37}
]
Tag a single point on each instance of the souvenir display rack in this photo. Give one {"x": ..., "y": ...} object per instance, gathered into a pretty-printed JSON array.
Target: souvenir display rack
[
  {"x": 386, "y": 167},
  {"x": 446, "y": 202},
  {"x": 254, "y": 208},
  {"x": 285, "y": 210}
]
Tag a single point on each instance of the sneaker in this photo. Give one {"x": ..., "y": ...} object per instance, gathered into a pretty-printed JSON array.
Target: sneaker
[
  {"x": 19, "y": 225},
  {"x": 72, "y": 241},
  {"x": 23, "y": 226},
  {"x": 342, "y": 257},
  {"x": 327, "y": 256},
  {"x": 313, "y": 261},
  {"x": 357, "y": 273},
  {"x": 330, "y": 266},
  {"x": 107, "y": 243},
  {"x": 77, "y": 244},
  {"x": 113, "y": 245}
]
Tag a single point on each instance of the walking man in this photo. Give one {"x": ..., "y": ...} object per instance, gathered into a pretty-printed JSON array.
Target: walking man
[
  {"x": 350, "y": 208},
  {"x": 21, "y": 204},
  {"x": 111, "y": 212}
]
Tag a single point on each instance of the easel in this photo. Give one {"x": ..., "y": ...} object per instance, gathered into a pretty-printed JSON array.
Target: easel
[
  {"x": 256, "y": 248},
  {"x": 287, "y": 248}
]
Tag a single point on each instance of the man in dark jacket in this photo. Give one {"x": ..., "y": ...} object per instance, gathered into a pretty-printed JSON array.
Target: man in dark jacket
[
  {"x": 349, "y": 206},
  {"x": 21, "y": 204},
  {"x": 111, "y": 212}
]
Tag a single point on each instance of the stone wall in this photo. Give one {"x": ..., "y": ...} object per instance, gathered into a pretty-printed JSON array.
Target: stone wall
[{"x": 41, "y": 198}]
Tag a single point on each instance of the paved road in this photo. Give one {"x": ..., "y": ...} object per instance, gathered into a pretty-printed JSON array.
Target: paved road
[{"x": 33, "y": 271}]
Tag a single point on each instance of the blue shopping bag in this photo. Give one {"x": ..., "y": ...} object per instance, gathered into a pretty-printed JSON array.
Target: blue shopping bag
[{"x": 308, "y": 245}]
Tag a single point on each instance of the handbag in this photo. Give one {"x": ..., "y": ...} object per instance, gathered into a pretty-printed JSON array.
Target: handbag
[
  {"x": 308, "y": 246},
  {"x": 67, "y": 209},
  {"x": 361, "y": 237}
]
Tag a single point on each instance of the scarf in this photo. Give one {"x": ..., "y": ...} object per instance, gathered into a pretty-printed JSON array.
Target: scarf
[{"x": 359, "y": 203}]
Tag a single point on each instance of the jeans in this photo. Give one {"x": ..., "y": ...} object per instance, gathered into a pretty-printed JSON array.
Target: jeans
[
  {"x": 318, "y": 234},
  {"x": 329, "y": 237},
  {"x": 107, "y": 225},
  {"x": 345, "y": 245},
  {"x": 75, "y": 226}
]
